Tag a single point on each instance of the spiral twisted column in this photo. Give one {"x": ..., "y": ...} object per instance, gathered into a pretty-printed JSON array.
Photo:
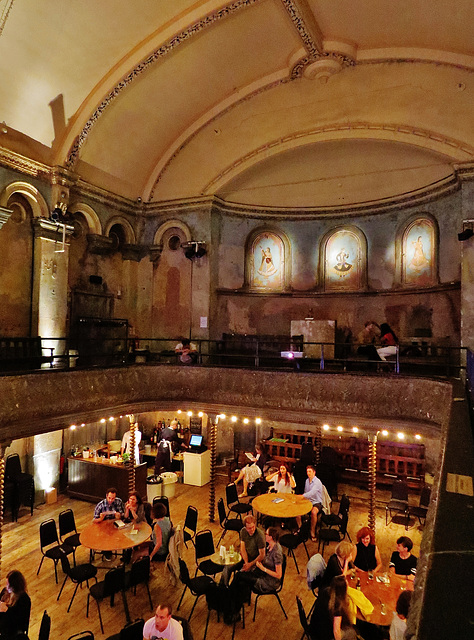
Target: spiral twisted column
[
  {"x": 318, "y": 440},
  {"x": 213, "y": 421},
  {"x": 372, "y": 479},
  {"x": 131, "y": 463},
  {"x": 3, "y": 447}
]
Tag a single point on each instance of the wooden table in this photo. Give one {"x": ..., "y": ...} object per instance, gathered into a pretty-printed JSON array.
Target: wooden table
[
  {"x": 105, "y": 536},
  {"x": 378, "y": 593},
  {"x": 291, "y": 505}
]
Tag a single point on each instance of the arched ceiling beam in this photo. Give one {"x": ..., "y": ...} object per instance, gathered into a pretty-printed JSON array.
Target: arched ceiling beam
[{"x": 455, "y": 150}]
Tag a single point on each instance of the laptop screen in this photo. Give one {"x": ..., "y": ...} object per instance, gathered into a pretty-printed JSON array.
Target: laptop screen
[{"x": 195, "y": 440}]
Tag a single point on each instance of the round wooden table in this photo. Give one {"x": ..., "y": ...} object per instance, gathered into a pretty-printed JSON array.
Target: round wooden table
[
  {"x": 379, "y": 593},
  {"x": 228, "y": 560},
  {"x": 105, "y": 536},
  {"x": 288, "y": 505}
]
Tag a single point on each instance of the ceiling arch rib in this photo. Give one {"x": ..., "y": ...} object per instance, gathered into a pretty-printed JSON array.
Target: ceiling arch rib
[
  {"x": 357, "y": 130},
  {"x": 72, "y": 144}
]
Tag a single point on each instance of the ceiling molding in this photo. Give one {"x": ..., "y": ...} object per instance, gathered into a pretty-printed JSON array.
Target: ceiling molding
[{"x": 305, "y": 23}]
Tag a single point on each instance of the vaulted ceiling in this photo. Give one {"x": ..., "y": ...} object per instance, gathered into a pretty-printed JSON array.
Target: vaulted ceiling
[{"x": 293, "y": 103}]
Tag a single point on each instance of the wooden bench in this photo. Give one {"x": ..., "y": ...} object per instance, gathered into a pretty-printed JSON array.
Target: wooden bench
[
  {"x": 24, "y": 353},
  {"x": 393, "y": 459}
]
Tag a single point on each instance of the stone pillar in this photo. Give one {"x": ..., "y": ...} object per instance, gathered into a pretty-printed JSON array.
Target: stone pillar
[
  {"x": 372, "y": 479},
  {"x": 50, "y": 280},
  {"x": 213, "y": 421},
  {"x": 467, "y": 287}
]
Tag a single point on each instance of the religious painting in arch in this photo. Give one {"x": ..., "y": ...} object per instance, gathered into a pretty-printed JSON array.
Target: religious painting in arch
[
  {"x": 343, "y": 262},
  {"x": 267, "y": 262},
  {"x": 418, "y": 253}
]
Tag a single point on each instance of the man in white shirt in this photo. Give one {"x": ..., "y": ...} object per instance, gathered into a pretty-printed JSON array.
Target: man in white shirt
[{"x": 162, "y": 626}]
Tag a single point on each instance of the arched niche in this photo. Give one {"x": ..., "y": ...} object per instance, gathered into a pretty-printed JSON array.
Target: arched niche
[
  {"x": 91, "y": 217},
  {"x": 417, "y": 251},
  {"x": 343, "y": 259},
  {"x": 267, "y": 261},
  {"x": 38, "y": 204},
  {"x": 121, "y": 229},
  {"x": 170, "y": 229}
]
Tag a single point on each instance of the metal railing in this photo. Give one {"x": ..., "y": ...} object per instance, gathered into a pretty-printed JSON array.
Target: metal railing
[{"x": 247, "y": 352}]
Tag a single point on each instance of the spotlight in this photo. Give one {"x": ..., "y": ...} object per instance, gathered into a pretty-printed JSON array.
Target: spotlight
[{"x": 56, "y": 214}]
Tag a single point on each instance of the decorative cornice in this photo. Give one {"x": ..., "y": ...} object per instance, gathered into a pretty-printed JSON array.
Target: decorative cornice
[
  {"x": 108, "y": 198},
  {"x": 17, "y": 162},
  {"x": 134, "y": 252},
  {"x": 5, "y": 215},
  {"x": 50, "y": 230},
  {"x": 408, "y": 200},
  {"x": 154, "y": 252},
  {"x": 166, "y": 48},
  {"x": 99, "y": 245},
  {"x": 319, "y": 293}
]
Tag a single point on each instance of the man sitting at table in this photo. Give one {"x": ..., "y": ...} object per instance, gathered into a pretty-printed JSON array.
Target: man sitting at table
[
  {"x": 402, "y": 562},
  {"x": 111, "y": 508},
  {"x": 313, "y": 491},
  {"x": 162, "y": 625},
  {"x": 252, "y": 549}
]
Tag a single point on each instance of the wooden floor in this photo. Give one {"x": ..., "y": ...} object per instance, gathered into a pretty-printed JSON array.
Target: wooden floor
[{"x": 21, "y": 551}]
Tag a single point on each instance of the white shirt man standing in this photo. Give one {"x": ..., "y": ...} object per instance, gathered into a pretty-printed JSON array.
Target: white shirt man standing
[{"x": 162, "y": 626}]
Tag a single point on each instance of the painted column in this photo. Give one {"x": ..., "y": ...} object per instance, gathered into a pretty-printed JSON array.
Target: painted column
[{"x": 50, "y": 281}]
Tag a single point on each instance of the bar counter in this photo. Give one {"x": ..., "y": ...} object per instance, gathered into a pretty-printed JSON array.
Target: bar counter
[{"x": 89, "y": 479}]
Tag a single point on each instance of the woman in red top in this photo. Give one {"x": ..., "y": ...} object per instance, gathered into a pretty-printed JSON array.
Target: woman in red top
[{"x": 389, "y": 342}]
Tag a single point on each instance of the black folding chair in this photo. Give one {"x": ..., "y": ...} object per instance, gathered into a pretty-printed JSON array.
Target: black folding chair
[
  {"x": 139, "y": 574},
  {"x": 50, "y": 546},
  {"x": 45, "y": 626},
  {"x": 258, "y": 593},
  {"x": 233, "y": 503},
  {"x": 398, "y": 502},
  {"x": 232, "y": 524},
  {"x": 204, "y": 547},
  {"x": 190, "y": 525},
  {"x": 164, "y": 500},
  {"x": 197, "y": 586},
  {"x": 303, "y": 619},
  {"x": 67, "y": 531},
  {"x": 77, "y": 574},
  {"x": 421, "y": 510},
  {"x": 114, "y": 582},
  {"x": 293, "y": 540}
]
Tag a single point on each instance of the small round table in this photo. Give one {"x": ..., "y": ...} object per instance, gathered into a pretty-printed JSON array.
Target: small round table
[
  {"x": 105, "y": 536},
  {"x": 282, "y": 505},
  {"x": 228, "y": 560}
]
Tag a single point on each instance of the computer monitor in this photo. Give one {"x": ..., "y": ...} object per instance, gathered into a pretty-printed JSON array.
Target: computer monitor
[{"x": 195, "y": 440}]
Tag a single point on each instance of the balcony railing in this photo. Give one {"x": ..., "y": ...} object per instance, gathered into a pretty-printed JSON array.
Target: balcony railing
[{"x": 412, "y": 358}]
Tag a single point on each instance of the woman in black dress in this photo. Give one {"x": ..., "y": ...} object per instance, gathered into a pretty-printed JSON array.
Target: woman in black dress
[
  {"x": 366, "y": 554},
  {"x": 15, "y": 606}
]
